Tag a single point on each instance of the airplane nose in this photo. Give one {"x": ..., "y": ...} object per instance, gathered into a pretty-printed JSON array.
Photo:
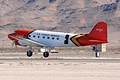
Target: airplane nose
[
  {"x": 10, "y": 36},
  {"x": 24, "y": 33}
]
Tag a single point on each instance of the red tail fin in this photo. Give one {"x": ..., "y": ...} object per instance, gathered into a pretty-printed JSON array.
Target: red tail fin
[{"x": 99, "y": 31}]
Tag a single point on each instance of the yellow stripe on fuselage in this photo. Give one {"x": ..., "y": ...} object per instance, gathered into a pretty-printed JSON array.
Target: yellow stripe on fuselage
[{"x": 74, "y": 39}]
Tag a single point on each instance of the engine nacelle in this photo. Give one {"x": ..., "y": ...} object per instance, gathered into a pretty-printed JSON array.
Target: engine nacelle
[{"x": 21, "y": 43}]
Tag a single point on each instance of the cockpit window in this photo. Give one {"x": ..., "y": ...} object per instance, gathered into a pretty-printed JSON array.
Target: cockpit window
[{"x": 29, "y": 35}]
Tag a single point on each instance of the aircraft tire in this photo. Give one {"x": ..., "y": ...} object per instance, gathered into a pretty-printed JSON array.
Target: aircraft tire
[
  {"x": 46, "y": 54},
  {"x": 29, "y": 53},
  {"x": 97, "y": 54}
]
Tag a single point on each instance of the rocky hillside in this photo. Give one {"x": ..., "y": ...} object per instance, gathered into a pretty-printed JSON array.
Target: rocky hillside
[{"x": 75, "y": 16}]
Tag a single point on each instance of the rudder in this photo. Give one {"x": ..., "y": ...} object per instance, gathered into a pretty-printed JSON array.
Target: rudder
[{"x": 99, "y": 31}]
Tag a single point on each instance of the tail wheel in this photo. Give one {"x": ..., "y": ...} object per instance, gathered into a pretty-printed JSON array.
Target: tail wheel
[
  {"x": 97, "y": 54},
  {"x": 29, "y": 53},
  {"x": 46, "y": 54}
]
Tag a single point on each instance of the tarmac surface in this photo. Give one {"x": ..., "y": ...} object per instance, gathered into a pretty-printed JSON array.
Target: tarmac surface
[
  {"x": 17, "y": 66},
  {"x": 62, "y": 57}
]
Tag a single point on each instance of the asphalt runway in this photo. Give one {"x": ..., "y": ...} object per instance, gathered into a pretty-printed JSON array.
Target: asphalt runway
[
  {"x": 54, "y": 57},
  {"x": 17, "y": 66}
]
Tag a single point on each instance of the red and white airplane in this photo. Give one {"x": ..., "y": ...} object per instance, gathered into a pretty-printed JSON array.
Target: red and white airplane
[{"x": 49, "y": 39}]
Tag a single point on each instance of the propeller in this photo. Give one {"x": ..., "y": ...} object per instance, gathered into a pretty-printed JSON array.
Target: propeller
[{"x": 14, "y": 44}]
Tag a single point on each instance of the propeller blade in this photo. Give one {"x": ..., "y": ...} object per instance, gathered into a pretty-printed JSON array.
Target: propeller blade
[
  {"x": 15, "y": 46},
  {"x": 13, "y": 43}
]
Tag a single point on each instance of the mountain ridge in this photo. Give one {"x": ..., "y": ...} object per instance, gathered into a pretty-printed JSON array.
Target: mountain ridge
[{"x": 71, "y": 16}]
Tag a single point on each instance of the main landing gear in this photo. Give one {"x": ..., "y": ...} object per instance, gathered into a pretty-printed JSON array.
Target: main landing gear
[
  {"x": 30, "y": 53},
  {"x": 46, "y": 54},
  {"x": 99, "y": 48}
]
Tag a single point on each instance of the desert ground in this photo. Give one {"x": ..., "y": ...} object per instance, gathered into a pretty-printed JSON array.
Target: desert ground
[{"x": 59, "y": 66}]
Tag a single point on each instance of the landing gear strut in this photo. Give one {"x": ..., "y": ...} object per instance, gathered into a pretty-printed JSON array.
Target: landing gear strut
[
  {"x": 45, "y": 53},
  {"x": 99, "y": 48}
]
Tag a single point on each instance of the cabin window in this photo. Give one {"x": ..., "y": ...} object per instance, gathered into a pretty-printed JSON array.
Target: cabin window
[
  {"x": 66, "y": 39},
  {"x": 33, "y": 35},
  {"x": 52, "y": 37},
  {"x": 48, "y": 37},
  {"x": 43, "y": 36},
  {"x": 57, "y": 38},
  {"x": 38, "y": 36}
]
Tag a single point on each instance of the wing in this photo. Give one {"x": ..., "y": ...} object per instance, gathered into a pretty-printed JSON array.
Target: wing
[{"x": 28, "y": 41}]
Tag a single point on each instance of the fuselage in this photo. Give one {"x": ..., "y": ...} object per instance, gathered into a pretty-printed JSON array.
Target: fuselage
[
  {"x": 53, "y": 39},
  {"x": 28, "y": 37}
]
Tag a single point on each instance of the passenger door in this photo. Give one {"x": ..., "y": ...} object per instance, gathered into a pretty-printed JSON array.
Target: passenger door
[{"x": 66, "y": 39}]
